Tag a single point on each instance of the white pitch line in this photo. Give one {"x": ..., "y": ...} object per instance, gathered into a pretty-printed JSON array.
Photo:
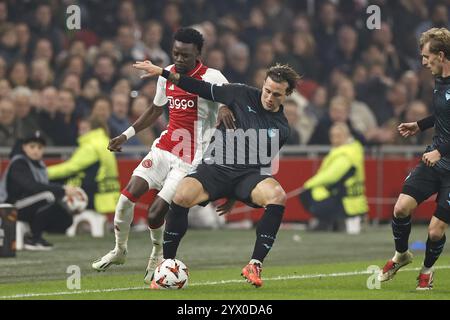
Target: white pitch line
[
  {"x": 8, "y": 263},
  {"x": 207, "y": 283}
]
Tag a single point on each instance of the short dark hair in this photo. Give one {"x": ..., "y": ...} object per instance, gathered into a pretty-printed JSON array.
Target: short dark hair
[
  {"x": 190, "y": 35},
  {"x": 283, "y": 72}
]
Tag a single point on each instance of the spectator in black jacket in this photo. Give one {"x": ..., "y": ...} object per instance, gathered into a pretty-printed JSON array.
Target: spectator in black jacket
[
  {"x": 339, "y": 111},
  {"x": 25, "y": 184}
]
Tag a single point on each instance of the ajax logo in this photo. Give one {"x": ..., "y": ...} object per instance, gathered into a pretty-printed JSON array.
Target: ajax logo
[{"x": 147, "y": 163}]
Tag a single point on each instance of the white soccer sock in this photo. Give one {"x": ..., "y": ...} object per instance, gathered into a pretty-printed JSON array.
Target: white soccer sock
[
  {"x": 157, "y": 236},
  {"x": 122, "y": 221},
  {"x": 426, "y": 270},
  {"x": 253, "y": 261},
  {"x": 398, "y": 256}
]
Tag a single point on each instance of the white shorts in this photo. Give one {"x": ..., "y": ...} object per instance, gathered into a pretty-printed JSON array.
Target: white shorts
[{"x": 163, "y": 171}]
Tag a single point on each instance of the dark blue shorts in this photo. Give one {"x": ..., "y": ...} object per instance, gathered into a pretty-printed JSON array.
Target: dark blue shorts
[
  {"x": 228, "y": 182},
  {"x": 425, "y": 181}
]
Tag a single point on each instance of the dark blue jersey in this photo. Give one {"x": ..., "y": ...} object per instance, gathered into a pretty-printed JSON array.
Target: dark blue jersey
[
  {"x": 441, "y": 105},
  {"x": 259, "y": 135}
]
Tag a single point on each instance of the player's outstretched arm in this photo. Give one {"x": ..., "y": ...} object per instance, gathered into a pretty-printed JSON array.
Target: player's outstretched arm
[
  {"x": 411, "y": 128},
  {"x": 206, "y": 90},
  {"x": 408, "y": 129},
  {"x": 145, "y": 120}
]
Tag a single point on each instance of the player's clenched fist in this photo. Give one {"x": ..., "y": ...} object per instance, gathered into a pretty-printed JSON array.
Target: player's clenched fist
[{"x": 115, "y": 144}]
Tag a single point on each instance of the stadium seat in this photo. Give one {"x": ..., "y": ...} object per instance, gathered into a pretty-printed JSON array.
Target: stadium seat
[
  {"x": 21, "y": 229},
  {"x": 205, "y": 218},
  {"x": 353, "y": 225},
  {"x": 95, "y": 220}
]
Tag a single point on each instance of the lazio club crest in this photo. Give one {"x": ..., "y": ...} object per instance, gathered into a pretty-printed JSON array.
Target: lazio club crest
[{"x": 447, "y": 95}]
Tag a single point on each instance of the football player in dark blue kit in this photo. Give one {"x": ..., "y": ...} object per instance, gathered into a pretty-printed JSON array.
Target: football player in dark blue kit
[
  {"x": 236, "y": 170},
  {"x": 432, "y": 175}
]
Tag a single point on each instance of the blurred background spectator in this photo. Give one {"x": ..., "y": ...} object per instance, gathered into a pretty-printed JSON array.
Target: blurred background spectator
[
  {"x": 61, "y": 75},
  {"x": 91, "y": 167},
  {"x": 336, "y": 194}
]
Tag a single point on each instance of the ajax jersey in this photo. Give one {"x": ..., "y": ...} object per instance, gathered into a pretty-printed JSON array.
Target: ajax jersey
[{"x": 191, "y": 118}]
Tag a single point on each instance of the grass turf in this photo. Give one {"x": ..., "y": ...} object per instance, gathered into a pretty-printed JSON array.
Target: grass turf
[{"x": 301, "y": 266}]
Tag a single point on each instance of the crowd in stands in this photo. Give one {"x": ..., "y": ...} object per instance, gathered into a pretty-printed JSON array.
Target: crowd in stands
[{"x": 52, "y": 77}]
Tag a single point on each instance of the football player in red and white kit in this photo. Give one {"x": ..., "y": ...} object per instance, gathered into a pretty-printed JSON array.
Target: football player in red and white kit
[{"x": 172, "y": 155}]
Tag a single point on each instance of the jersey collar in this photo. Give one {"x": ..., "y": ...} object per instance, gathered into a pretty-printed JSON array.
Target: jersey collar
[
  {"x": 445, "y": 80},
  {"x": 197, "y": 67}
]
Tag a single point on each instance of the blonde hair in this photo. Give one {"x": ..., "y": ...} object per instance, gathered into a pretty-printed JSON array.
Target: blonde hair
[{"x": 439, "y": 39}]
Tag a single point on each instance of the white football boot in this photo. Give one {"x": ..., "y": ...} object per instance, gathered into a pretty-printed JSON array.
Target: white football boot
[
  {"x": 116, "y": 256},
  {"x": 393, "y": 265},
  {"x": 153, "y": 262}
]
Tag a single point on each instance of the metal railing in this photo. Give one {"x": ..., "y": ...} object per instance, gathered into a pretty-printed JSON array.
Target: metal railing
[
  {"x": 407, "y": 152},
  {"x": 308, "y": 152}
]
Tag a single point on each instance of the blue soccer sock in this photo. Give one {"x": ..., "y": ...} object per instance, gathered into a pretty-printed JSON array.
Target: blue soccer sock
[
  {"x": 433, "y": 251},
  {"x": 401, "y": 228},
  {"x": 267, "y": 230},
  {"x": 176, "y": 226}
]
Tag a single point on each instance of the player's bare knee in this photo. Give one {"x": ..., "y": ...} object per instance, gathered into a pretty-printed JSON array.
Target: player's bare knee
[
  {"x": 435, "y": 234},
  {"x": 182, "y": 198},
  {"x": 277, "y": 196},
  {"x": 401, "y": 210},
  {"x": 137, "y": 187}
]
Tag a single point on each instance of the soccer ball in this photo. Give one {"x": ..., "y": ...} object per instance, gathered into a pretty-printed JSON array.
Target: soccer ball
[
  {"x": 171, "y": 274},
  {"x": 78, "y": 202}
]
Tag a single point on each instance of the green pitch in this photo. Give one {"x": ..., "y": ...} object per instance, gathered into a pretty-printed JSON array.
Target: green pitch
[{"x": 301, "y": 266}]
